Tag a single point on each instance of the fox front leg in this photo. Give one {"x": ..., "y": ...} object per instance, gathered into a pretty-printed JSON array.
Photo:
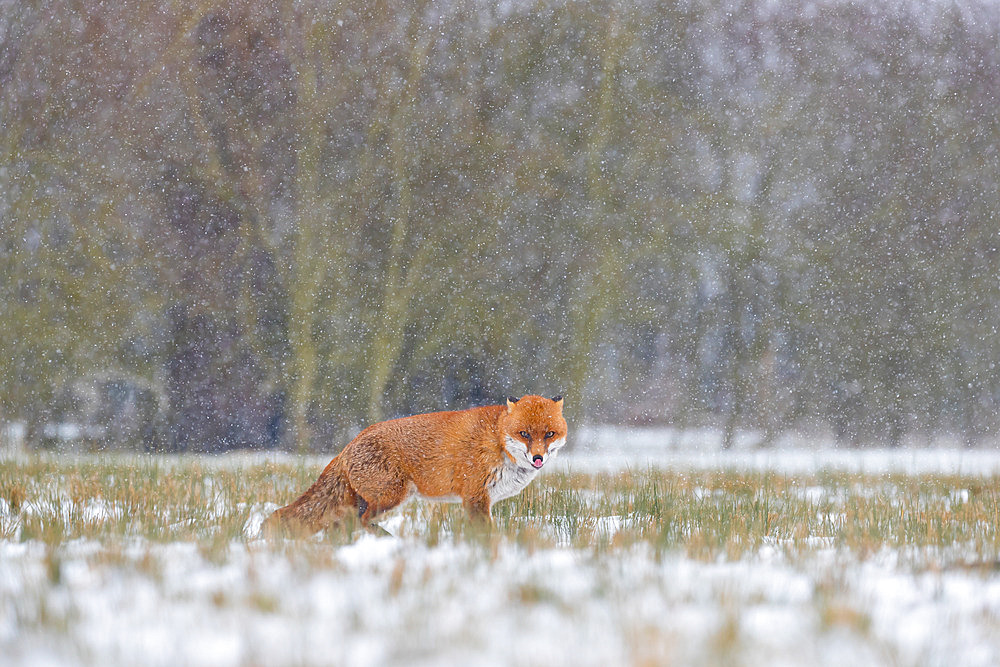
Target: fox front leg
[{"x": 478, "y": 509}]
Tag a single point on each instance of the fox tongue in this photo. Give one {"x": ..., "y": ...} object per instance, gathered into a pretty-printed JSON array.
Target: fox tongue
[{"x": 537, "y": 462}]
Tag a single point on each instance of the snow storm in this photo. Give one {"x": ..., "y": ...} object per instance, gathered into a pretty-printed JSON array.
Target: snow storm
[{"x": 754, "y": 244}]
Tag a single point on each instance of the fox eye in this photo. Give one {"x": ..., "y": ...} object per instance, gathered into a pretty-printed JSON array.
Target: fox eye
[
  {"x": 550, "y": 434},
  {"x": 524, "y": 434}
]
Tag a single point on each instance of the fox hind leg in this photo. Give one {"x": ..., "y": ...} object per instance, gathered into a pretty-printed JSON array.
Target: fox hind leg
[
  {"x": 376, "y": 500},
  {"x": 370, "y": 527}
]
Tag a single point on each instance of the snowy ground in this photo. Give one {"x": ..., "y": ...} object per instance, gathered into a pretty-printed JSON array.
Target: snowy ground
[
  {"x": 403, "y": 601},
  {"x": 383, "y": 601},
  {"x": 614, "y": 448}
]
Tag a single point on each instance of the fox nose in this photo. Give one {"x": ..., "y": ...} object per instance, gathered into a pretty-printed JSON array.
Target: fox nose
[{"x": 537, "y": 460}]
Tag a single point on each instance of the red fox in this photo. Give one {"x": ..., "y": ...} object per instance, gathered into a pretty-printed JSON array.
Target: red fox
[{"x": 477, "y": 456}]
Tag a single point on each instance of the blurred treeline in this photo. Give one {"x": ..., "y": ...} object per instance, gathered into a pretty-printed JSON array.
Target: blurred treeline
[{"x": 268, "y": 223}]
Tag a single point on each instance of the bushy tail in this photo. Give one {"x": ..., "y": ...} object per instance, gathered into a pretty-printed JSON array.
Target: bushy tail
[{"x": 324, "y": 504}]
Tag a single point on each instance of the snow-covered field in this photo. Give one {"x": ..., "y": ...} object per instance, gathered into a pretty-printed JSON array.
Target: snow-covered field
[{"x": 90, "y": 595}]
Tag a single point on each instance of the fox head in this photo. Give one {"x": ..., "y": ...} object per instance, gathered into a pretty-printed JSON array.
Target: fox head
[{"x": 533, "y": 429}]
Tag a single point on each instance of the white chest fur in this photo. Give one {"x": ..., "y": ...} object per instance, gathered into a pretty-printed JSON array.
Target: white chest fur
[{"x": 508, "y": 480}]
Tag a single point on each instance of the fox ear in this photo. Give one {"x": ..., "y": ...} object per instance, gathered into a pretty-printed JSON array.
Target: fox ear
[
  {"x": 510, "y": 403},
  {"x": 558, "y": 399}
]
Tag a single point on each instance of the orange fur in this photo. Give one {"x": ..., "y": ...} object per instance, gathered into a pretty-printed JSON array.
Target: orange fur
[{"x": 477, "y": 455}]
